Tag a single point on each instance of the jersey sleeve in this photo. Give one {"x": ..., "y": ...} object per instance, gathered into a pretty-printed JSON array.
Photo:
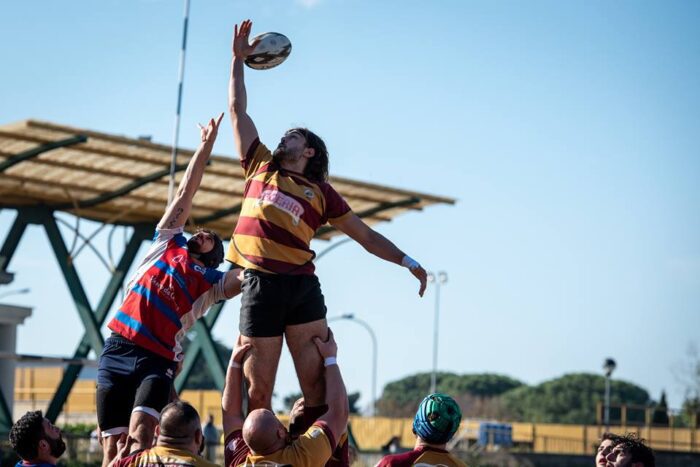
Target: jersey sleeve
[
  {"x": 215, "y": 294},
  {"x": 255, "y": 158},
  {"x": 341, "y": 454},
  {"x": 313, "y": 447},
  {"x": 336, "y": 206},
  {"x": 164, "y": 235},
  {"x": 235, "y": 449}
]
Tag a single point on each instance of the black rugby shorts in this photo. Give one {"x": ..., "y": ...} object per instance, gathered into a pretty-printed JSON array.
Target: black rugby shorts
[
  {"x": 129, "y": 376},
  {"x": 271, "y": 302}
]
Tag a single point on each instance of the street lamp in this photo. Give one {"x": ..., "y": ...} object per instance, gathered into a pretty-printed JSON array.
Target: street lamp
[
  {"x": 609, "y": 366},
  {"x": 440, "y": 278},
  {"x": 14, "y": 292},
  {"x": 351, "y": 317}
]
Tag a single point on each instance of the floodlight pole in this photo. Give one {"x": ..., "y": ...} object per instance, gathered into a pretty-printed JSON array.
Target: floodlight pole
[
  {"x": 14, "y": 292},
  {"x": 609, "y": 366},
  {"x": 176, "y": 133},
  {"x": 438, "y": 279},
  {"x": 364, "y": 324}
]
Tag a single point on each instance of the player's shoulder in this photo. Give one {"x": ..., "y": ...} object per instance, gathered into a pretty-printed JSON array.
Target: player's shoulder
[
  {"x": 316, "y": 443},
  {"x": 403, "y": 459}
]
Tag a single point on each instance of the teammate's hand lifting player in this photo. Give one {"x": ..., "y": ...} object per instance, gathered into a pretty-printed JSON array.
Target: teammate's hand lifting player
[
  {"x": 239, "y": 351},
  {"x": 327, "y": 348}
]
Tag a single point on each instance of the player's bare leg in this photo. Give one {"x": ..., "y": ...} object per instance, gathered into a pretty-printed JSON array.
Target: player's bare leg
[
  {"x": 142, "y": 428},
  {"x": 109, "y": 448},
  {"x": 307, "y": 360},
  {"x": 260, "y": 369}
]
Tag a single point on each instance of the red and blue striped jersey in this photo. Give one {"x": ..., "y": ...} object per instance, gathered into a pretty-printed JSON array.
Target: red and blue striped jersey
[{"x": 166, "y": 295}]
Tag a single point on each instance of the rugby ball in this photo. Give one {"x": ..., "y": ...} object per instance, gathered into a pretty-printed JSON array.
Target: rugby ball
[{"x": 273, "y": 48}]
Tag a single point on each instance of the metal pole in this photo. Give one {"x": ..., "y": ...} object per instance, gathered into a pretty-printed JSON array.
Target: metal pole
[
  {"x": 606, "y": 413},
  {"x": 176, "y": 133},
  {"x": 374, "y": 361},
  {"x": 14, "y": 292},
  {"x": 433, "y": 376},
  {"x": 332, "y": 247},
  {"x": 351, "y": 317}
]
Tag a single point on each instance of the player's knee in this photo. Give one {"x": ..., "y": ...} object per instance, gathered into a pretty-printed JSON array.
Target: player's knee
[{"x": 259, "y": 397}]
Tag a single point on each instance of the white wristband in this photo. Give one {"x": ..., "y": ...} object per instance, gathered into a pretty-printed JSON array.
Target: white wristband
[
  {"x": 409, "y": 263},
  {"x": 235, "y": 364},
  {"x": 330, "y": 361}
]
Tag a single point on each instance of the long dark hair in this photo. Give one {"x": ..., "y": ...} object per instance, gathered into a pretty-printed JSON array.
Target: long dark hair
[{"x": 317, "y": 168}]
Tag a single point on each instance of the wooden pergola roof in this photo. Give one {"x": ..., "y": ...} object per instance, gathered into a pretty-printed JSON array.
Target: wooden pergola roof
[{"x": 119, "y": 180}]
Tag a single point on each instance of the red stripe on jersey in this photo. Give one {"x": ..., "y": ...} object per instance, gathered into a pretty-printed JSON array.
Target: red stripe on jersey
[{"x": 256, "y": 227}]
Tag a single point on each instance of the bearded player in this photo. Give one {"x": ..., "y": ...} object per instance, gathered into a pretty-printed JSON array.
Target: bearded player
[
  {"x": 173, "y": 286},
  {"x": 287, "y": 198}
]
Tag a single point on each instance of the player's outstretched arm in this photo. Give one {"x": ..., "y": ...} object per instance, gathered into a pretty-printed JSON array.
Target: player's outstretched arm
[
  {"x": 244, "y": 130},
  {"x": 336, "y": 396},
  {"x": 179, "y": 209},
  {"x": 232, "y": 399},
  {"x": 380, "y": 246}
]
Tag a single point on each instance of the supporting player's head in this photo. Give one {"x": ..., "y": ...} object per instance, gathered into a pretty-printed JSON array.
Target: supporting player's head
[
  {"x": 437, "y": 419},
  {"x": 302, "y": 143},
  {"x": 607, "y": 442},
  {"x": 35, "y": 439},
  {"x": 264, "y": 433},
  {"x": 180, "y": 427},
  {"x": 631, "y": 451},
  {"x": 206, "y": 246}
]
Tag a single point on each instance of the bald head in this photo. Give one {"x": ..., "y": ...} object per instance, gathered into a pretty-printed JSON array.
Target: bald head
[
  {"x": 263, "y": 432},
  {"x": 179, "y": 424}
]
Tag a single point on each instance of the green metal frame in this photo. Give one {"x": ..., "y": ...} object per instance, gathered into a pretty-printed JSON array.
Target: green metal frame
[{"x": 93, "y": 320}]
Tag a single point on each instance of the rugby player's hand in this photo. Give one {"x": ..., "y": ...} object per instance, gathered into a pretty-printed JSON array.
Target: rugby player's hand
[
  {"x": 239, "y": 351},
  {"x": 422, "y": 276},
  {"x": 124, "y": 444},
  {"x": 241, "y": 47},
  {"x": 327, "y": 348},
  {"x": 208, "y": 133}
]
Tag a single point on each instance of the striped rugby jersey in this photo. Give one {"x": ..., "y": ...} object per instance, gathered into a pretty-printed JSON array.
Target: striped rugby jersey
[
  {"x": 311, "y": 449},
  {"x": 280, "y": 214},
  {"x": 166, "y": 295},
  {"x": 422, "y": 456},
  {"x": 161, "y": 456}
]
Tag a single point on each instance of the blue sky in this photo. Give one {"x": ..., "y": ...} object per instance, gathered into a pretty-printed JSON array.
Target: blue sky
[{"x": 568, "y": 131}]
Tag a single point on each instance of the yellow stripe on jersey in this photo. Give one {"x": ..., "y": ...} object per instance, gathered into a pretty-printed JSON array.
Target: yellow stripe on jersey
[
  {"x": 249, "y": 245},
  {"x": 252, "y": 208}
]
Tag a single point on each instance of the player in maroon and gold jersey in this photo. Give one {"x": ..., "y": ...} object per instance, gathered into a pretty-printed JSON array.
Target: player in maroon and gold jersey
[
  {"x": 287, "y": 198},
  {"x": 261, "y": 439}
]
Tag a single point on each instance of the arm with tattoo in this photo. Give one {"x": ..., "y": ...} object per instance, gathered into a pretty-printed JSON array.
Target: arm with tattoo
[{"x": 179, "y": 209}]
